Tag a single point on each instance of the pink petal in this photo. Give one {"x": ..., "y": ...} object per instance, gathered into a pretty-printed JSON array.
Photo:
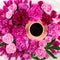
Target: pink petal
[
  {"x": 11, "y": 48},
  {"x": 7, "y": 38}
]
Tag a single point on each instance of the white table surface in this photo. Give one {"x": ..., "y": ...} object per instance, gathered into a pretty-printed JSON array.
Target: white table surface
[{"x": 56, "y": 6}]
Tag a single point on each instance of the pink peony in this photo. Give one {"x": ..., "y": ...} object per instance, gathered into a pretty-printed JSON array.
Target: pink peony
[
  {"x": 11, "y": 48},
  {"x": 9, "y": 14},
  {"x": 7, "y": 38},
  {"x": 12, "y": 7},
  {"x": 40, "y": 52},
  {"x": 46, "y": 8}
]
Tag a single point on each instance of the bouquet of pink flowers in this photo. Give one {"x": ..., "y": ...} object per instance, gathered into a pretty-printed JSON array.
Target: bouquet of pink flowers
[{"x": 29, "y": 30}]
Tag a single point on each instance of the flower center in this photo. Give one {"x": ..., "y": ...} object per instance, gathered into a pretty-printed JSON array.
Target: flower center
[{"x": 36, "y": 29}]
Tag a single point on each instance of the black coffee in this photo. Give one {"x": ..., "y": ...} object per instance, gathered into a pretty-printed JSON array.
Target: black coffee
[{"x": 36, "y": 29}]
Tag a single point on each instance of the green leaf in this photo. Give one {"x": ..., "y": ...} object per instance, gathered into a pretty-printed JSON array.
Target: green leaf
[
  {"x": 51, "y": 54},
  {"x": 49, "y": 44},
  {"x": 36, "y": 58},
  {"x": 55, "y": 47},
  {"x": 2, "y": 44},
  {"x": 14, "y": 42}
]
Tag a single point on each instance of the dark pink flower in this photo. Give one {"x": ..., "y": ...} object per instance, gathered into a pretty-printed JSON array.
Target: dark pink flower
[
  {"x": 46, "y": 18},
  {"x": 20, "y": 17}
]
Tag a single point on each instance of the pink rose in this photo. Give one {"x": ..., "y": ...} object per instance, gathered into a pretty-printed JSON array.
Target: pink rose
[
  {"x": 7, "y": 38},
  {"x": 11, "y": 48},
  {"x": 40, "y": 52}
]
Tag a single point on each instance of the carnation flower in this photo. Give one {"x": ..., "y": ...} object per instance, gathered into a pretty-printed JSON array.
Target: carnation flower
[
  {"x": 42, "y": 43},
  {"x": 35, "y": 12},
  {"x": 33, "y": 45},
  {"x": 20, "y": 17},
  {"x": 46, "y": 18},
  {"x": 53, "y": 30},
  {"x": 46, "y": 8},
  {"x": 21, "y": 43},
  {"x": 18, "y": 31}
]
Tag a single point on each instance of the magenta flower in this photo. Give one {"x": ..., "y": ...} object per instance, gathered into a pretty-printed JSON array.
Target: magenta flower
[
  {"x": 35, "y": 11},
  {"x": 40, "y": 52},
  {"x": 22, "y": 43},
  {"x": 18, "y": 31},
  {"x": 33, "y": 45},
  {"x": 53, "y": 30},
  {"x": 20, "y": 17}
]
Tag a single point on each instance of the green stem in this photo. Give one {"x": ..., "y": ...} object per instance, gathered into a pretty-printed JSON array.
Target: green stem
[
  {"x": 36, "y": 58},
  {"x": 50, "y": 54},
  {"x": 2, "y": 44},
  {"x": 55, "y": 47}
]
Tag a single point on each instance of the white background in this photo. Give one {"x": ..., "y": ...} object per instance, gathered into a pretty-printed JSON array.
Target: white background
[{"x": 56, "y": 6}]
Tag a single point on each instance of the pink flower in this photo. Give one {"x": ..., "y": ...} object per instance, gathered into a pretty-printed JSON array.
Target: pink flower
[
  {"x": 48, "y": 39},
  {"x": 47, "y": 8},
  {"x": 35, "y": 11},
  {"x": 12, "y": 7},
  {"x": 42, "y": 43},
  {"x": 9, "y": 14},
  {"x": 54, "y": 30},
  {"x": 40, "y": 52},
  {"x": 11, "y": 48},
  {"x": 7, "y": 38}
]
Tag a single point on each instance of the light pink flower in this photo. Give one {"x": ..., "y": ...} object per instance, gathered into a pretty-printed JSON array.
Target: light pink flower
[
  {"x": 7, "y": 38},
  {"x": 9, "y": 14},
  {"x": 47, "y": 8},
  {"x": 11, "y": 48},
  {"x": 48, "y": 39},
  {"x": 12, "y": 7},
  {"x": 40, "y": 52},
  {"x": 42, "y": 43}
]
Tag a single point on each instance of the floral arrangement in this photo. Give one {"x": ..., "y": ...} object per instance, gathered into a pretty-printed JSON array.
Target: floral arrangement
[{"x": 29, "y": 30}]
